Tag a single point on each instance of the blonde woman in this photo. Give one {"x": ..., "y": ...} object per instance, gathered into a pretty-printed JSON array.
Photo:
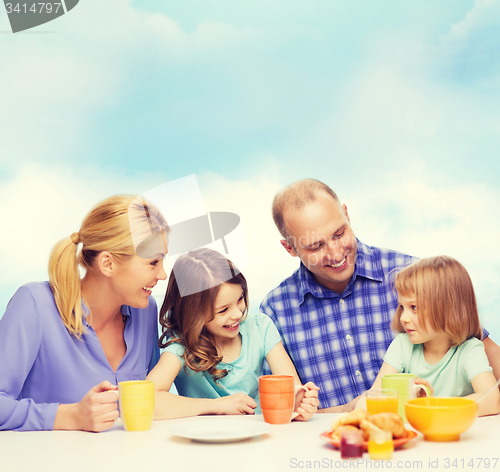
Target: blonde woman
[{"x": 65, "y": 343}]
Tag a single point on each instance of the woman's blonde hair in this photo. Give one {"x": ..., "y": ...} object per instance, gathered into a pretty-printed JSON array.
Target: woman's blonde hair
[
  {"x": 114, "y": 225},
  {"x": 183, "y": 318},
  {"x": 444, "y": 295}
]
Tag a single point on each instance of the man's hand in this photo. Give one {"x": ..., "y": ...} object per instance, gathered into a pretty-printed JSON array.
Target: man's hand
[{"x": 308, "y": 403}]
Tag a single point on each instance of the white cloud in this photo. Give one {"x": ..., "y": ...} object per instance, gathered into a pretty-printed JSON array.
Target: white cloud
[
  {"x": 384, "y": 110},
  {"x": 468, "y": 52},
  {"x": 41, "y": 205},
  {"x": 116, "y": 24},
  {"x": 52, "y": 85},
  {"x": 395, "y": 111},
  {"x": 45, "y": 104},
  {"x": 484, "y": 15},
  {"x": 416, "y": 216},
  {"x": 268, "y": 263}
]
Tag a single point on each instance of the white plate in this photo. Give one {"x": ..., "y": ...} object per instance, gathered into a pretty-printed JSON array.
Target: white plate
[{"x": 221, "y": 429}]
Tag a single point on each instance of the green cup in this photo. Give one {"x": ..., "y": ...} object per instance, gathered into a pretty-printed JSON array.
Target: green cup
[{"x": 407, "y": 389}]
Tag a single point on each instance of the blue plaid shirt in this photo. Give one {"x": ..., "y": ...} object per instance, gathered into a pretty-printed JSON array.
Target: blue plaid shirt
[{"x": 339, "y": 341}]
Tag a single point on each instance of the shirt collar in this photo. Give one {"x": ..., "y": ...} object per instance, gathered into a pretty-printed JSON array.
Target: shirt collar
[
  {"x": 367, "y": 266},
  {"x": 125, "y": 310},
  {"x": 85, "y": 313}
]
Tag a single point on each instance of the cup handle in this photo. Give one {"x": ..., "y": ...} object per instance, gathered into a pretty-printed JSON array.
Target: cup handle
[
  {"x": 422, "y": 391},
  {"x": 117, "y": 398},
  {"x": 299, "y": 391}
]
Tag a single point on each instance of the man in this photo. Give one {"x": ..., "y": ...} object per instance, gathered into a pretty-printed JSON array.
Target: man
[{"x": 334, "y": 312}]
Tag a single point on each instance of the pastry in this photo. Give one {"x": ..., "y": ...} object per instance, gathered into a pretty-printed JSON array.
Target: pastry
[
  {"x": 336, "y": 434},
  {"x": 367, "y": 427},
  {"x": 353, "y": 418},
  {"x": 390, "y": 422}
]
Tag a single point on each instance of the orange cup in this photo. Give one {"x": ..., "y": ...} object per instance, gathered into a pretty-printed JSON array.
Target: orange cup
[{"x": 277, "y": 398}]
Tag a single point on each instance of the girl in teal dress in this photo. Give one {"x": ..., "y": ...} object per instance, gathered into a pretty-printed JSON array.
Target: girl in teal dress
[{"x": 212, "y": 349}]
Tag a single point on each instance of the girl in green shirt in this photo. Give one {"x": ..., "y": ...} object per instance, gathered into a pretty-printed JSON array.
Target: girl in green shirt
[{"x": 440, "y": 334}]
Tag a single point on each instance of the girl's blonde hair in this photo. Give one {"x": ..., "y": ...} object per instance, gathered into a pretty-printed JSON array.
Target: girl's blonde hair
[
  {"x": 183, "y": 318},
  {"x": 444, "y": 296},
  {"x": 106, "y": 228}
]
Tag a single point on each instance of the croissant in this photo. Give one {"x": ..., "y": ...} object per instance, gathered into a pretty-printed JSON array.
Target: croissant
[
  {"x": 390, "y": 422},
  {"x": 337, "y": 433},
  {"x": 367, "y": 427},
  {"x": 353, "y": 418}
]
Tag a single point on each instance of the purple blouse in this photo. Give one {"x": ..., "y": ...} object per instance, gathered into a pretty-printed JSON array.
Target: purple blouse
[{"x": 43, "y": 365}]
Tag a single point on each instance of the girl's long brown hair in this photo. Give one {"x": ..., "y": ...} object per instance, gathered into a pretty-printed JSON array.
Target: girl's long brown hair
[{"x": 183, "y": 318}]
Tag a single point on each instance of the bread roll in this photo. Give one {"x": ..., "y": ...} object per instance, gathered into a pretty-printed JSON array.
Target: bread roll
[
  {"x": 353, "y": 418},
  {"x": 336, "y": 434},
  {"x": 367, "y": 427},
  {"x": 390, "y": 422}
]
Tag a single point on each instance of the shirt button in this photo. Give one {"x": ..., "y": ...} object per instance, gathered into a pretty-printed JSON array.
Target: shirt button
[
  {"x": 348, "y": 337},
  {"x": 358, "y": 373},
  {"x": 341, "y": 300}
]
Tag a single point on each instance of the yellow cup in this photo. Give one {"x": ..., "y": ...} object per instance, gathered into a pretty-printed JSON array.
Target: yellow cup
[{"x": 136, "y": 399}]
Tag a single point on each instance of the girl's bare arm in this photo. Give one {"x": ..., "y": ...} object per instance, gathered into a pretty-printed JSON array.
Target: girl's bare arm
[
  {"x": 169, "y": 405},
  {"x": 490, "y": 405}
]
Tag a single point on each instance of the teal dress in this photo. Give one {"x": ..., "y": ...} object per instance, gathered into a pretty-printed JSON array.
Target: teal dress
[{"x": 258, "y": 337}]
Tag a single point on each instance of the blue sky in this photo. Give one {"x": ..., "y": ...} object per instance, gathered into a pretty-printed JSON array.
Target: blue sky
[{"x": 396, "y": 106}]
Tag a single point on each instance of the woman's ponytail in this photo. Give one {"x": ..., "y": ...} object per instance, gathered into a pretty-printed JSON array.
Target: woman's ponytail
[{"x": 64, "y": 280}]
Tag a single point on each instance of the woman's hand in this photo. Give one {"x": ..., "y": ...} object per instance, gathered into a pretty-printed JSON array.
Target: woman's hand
[
  {"x": 96, "y": 411},
  {"x": 308, "y": 404},
  {"x": 237, "y": 404}
]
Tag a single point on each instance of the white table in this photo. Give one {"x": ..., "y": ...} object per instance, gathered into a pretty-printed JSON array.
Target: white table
[{"x": 295, "y": 446}]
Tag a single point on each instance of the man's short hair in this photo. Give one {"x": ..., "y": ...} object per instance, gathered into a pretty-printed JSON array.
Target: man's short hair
[{"x": 295, "y": 196}]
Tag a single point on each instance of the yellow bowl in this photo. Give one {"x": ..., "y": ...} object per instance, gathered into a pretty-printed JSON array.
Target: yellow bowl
[{"x": 441, "y": 419}]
